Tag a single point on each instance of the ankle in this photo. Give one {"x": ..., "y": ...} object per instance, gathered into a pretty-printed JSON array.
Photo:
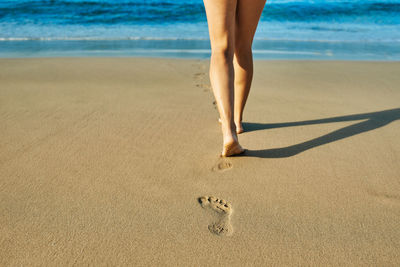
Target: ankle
[
  {"x": 230, "y": 136},
  {"x": 238, "y": 120},
  {"x": 227, "y": 124}
]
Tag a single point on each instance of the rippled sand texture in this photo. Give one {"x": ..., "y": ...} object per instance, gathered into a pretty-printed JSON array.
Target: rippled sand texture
[{"x": 115, "y": 161}]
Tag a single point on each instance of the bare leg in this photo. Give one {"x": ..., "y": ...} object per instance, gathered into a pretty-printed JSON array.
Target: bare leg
[
  {"x": 221, "y": 24},
  {"x": 248, "y": 13}
]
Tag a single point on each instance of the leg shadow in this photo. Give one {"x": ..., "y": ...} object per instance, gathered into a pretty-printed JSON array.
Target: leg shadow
[{"x": 372, "y": 121}]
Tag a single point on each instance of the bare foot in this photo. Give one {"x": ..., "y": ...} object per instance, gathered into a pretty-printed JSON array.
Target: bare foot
[
  {"x": 231, "y": 149},
  {"x": 231, "y": 145},
  {"x": 239, "y": 129}
]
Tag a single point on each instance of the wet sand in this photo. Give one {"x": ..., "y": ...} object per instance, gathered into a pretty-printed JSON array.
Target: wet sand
[{"x": 103, "y": 162}]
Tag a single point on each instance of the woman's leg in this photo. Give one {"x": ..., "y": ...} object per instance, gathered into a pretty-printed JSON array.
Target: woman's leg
[
  {"x": 221, "y": 24},
  {"x": 248, "y": 13}
]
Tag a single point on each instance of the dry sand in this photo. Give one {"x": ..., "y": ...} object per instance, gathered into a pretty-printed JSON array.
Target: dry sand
[{"x": 102, "y": 162}]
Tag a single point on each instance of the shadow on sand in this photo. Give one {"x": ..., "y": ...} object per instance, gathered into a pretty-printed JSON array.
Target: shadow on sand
[{"x": 371, "y": 121}]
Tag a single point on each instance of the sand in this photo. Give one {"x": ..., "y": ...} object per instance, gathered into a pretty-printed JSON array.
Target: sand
[{"x": 103, "y": 162}]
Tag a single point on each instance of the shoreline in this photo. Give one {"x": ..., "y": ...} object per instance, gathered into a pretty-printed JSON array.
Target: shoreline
[
  {"x": 78, "y": 57},
  {"x": 103, "y": 161},
  {"x": 200, "y": 49}
]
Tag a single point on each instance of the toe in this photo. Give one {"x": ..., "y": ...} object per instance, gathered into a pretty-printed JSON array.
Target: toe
[
  {"x": 228, "y": 207},
  {"x": 212, "y": 199},
  {"x": 204, "y": 201}
]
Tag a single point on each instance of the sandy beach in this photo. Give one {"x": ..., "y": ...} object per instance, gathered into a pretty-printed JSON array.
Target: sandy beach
[{"x": 103, "y": 162}]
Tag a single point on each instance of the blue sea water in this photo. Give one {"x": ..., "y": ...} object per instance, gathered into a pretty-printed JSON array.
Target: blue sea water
[{"x": 308, "y": 29}]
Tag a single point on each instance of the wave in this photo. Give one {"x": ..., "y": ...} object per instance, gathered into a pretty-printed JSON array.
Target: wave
[
  {"x": 110, "y": 39},
  {"x": 150, "y": 12},
  {"x": 96, "y": 39}
]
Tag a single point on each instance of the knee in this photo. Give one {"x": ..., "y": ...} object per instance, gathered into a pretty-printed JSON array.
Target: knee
[
  {"x": 243, "y": 52},
  {"x": 223, "y": 51}
]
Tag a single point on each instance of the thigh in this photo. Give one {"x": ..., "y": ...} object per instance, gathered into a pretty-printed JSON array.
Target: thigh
[
  {"x": 221, "y": 23},
  {"x": 248, "y": 14}
]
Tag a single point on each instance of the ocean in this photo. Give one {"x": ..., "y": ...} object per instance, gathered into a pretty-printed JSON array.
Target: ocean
[{"x": 319, "y": 29}]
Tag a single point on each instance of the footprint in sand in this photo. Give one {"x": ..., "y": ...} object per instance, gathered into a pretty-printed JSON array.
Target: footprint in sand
[
  {"x": 200, "y": 78},
  {"x": 385, "y": 198},
  {"x": 199, "y": 75},
  {"x": 223, "y": 164},
  {"x": 223, "y": 210}
]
